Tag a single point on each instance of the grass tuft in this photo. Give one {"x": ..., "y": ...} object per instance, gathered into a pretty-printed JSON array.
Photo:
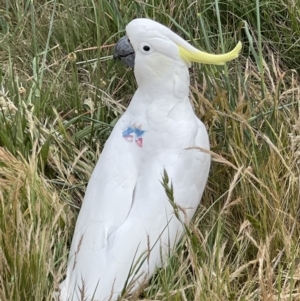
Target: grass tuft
[{"x": 34, "y": 230}]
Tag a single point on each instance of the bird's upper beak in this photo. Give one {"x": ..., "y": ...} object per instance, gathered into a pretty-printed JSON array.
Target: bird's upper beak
[{"x": 124, "y": 52}]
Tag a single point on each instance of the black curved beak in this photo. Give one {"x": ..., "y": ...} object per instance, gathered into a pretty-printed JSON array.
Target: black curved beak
[{"x": 123, "y": 51}]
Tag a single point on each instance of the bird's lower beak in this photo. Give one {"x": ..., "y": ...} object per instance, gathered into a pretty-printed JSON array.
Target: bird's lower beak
[{"x": 124, "y": 52}]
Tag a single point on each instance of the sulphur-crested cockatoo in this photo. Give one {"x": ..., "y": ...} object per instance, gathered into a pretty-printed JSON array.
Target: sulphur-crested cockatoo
[{"x": 127, "y": 226}]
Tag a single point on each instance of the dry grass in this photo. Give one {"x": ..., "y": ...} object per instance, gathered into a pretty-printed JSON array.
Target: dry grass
[{"x": 33, "y": 230}]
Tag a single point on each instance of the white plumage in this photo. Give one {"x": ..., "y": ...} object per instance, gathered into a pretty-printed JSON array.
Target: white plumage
[{"x": 126, "y": 216}]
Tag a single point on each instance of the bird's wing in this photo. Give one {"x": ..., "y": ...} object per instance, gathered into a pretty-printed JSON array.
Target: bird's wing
[
  {"x": 106, "y": 205},
  {"x": 152, "y": 223}
]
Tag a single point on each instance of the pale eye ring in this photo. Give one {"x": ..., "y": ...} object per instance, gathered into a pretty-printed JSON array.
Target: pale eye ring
[{"x": 146, "y": 48}]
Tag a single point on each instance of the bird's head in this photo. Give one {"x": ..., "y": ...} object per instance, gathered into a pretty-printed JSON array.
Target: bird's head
[{"x": 154, "y": 50}]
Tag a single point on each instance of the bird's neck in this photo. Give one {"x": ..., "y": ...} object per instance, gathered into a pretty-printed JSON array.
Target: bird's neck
[
  {"x": 159, "y": 100},
  {"x": 173, "y": 85}
]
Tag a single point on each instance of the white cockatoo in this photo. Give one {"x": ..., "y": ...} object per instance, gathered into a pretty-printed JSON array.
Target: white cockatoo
[{"x": 127, "y": 226}]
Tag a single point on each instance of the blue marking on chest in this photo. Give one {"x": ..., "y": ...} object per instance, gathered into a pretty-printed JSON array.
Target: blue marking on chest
[{"x": 134, "y": 133}]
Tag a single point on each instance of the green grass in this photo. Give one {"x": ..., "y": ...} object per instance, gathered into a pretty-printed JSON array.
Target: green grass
[{"x": 61, "y": 94}]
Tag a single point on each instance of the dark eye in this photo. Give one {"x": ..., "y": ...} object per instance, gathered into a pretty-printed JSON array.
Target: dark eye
[{"x": 146, "y": 48}]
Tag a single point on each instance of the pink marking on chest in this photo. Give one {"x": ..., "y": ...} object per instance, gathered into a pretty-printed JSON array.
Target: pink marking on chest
[{"x": 134, "y": 133}]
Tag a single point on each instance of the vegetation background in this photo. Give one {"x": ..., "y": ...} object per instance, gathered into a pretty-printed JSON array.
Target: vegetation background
[{"x": 60, "y": 95}]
